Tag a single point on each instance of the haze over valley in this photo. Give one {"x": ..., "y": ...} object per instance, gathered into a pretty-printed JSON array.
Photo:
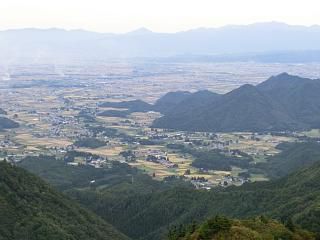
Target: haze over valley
[
  {"x": 206, "y": 127},
  {"x": 253, "y": 42}
]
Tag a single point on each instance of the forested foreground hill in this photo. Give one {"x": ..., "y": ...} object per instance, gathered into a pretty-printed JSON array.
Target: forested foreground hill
[
  {"x": 149, "y": 215},
  {"x": 145, "y": 209},
  {"x": 222, "y": 228},
  {"x": 293, "y": 156},
  {"x": 31, "y": 210}
]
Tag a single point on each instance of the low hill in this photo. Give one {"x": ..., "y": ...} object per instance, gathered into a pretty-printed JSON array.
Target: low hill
[
  {"x": 3, "y": 112},
  {"x": 125, "y": 108},
  {"x": 114, "y": 113},
  {"x": 295, "y": 197},
  {"x": 187, "y": 108},
  {"x": 293, "y": 156},
  {"x": 170, "y": 101},
  {"x": 133, "y": 106},
  {"x": 31, "y": 209},
  {"x": 283, "y": 102},
  {"x": 180, "y": 100},
  {"x": 222, "y": 228},
  {"x": 197, "y": 99},
  {"x": 6, "y": 123},
  {"x": 89, "y": 143}
]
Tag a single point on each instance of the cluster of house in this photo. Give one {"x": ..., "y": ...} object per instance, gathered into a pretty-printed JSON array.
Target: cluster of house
[
  {"x": 163, "y": 160},
  {"x": 90, "y": 160},
  {"x": 229, "y": 180},
  {"x": 63, "y": 150},
  {"x": 201, "y": 183},
  {"x": 62, "y": 126},
  {"x": 6, "y": 143},
  {"x": 96, "y": 163},
  {"x": 55, "y": 119},
  {"x": 156, "y": 156}
]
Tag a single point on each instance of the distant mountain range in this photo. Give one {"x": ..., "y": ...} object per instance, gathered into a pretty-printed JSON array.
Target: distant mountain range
[
  {"x": 256, "y": 42},
  {"x": 283, "y": 102}
]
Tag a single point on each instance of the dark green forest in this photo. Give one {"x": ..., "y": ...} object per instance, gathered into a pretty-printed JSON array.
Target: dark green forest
[
  {"x": 143, "y": 208},
  {"x": 293, "y": 156},
  {"x": 223, "y": 228},
  {"x": 31, "y": 210},
  {"x": 89, "y": 143}
]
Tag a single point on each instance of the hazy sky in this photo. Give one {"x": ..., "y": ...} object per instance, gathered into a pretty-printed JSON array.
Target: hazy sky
[{"x": 157, "y": 15}]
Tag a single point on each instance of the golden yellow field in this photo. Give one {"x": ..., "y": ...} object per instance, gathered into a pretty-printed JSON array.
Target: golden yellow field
[
  {"x": 30, "y": 141},
  {"x": 103, "y": 151}
]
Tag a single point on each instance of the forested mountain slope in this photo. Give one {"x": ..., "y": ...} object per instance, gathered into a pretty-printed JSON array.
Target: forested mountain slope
[
  {"x": 145, "y": 209},
  {"x": 222, "y": 228},
  {"x": 293, "y": 156},
  {"x": 31, "y": 209}
]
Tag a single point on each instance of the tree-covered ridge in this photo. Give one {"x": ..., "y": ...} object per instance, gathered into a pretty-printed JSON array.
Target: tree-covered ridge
[
  {"x": 217, "y": 160},
  {"x": 127, "y": 107},
  {"x": 31, "y": 209},
  {"x": 114, "y": 113},
  {"x": 170, "y": 100},
  {"x": 293, "y": 156},
  {"x": 281, "y": 103},
  {"x": 65, "y": 177},
  {"x": 179, "y": 101},
  {"x": 89, "y": 143},
  {"x": 149, "y": 215},
  {"x": 133, "y": 106},
  {"x": 223, "y": 228}
]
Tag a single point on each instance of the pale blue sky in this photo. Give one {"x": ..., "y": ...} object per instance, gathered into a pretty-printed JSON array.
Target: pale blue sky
[{"x": 157, "y": 15}]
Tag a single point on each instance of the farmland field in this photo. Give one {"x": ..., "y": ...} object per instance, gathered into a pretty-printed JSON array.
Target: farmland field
[{"x": 63, "y": 108}]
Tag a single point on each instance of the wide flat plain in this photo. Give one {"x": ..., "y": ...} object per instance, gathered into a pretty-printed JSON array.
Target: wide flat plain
[{"x": 47, "y": 108}]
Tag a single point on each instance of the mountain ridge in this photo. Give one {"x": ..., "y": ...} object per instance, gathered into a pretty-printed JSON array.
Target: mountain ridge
[
  {"x": 44, "y": 45},
  {"x": 31, "y": 209},
  {"x": 282, "y": 102}
]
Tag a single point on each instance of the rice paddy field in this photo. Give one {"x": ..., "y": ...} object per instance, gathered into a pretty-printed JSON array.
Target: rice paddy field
[{"x": 47, "y": 104}]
